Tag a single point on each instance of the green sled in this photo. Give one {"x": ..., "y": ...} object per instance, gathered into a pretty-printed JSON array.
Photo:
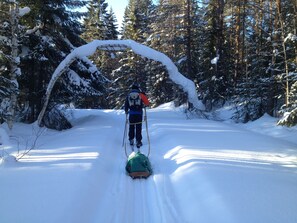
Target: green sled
[{"x": 138, "y": 166}]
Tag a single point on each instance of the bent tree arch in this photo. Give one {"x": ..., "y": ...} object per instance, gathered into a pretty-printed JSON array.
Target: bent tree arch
[{"x": 89, "y": 49}]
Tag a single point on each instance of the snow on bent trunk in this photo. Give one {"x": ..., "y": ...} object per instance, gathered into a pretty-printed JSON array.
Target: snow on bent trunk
[{"x": 145, "y": 51}]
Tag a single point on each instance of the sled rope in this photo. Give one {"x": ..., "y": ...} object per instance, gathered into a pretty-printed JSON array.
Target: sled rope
[
  {"x": 125, "y": 136},
  {"x": 148, "y": 137}
]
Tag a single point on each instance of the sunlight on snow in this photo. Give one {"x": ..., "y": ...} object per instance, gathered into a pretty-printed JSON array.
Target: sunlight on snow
[
  {"x": 182, "y": 155},
  {"x": 68, "y": 160},
  {"x": 61, "y": 157}
]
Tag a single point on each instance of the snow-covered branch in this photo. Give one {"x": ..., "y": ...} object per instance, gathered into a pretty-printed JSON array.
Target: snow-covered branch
[
  {"x": 29, "y": 147},
  {"x": 145, "y": 51},
  {"x": 24, "y": 11},
  {"x": 31, "y": 31}
]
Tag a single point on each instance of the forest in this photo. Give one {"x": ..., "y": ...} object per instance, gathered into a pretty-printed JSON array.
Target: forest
[{"x": 238, "y": 53}]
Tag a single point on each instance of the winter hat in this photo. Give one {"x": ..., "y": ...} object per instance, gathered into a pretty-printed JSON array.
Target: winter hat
[{"x": 135, "y": 86}]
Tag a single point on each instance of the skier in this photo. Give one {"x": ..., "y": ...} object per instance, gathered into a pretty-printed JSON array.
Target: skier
[{"x": 135, "y": 102}]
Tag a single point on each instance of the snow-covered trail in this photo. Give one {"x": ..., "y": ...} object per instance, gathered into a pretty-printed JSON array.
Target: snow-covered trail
[
  {"x": 112, "y": 196},
  {"x": 204, "y": 171}
]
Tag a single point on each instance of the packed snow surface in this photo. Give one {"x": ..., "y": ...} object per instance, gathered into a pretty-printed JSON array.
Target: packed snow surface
[{"x": 204, "y": 171}]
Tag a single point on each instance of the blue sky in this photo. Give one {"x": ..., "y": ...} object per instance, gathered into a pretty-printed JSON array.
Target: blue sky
[{"x": 118, "y": 7}]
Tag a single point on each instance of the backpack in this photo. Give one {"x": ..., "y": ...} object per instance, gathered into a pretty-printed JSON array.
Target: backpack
[{"x": 134, "y": 99}]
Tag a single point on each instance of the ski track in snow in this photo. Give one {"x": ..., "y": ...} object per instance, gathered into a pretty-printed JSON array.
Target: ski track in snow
[
  {"x": 139, "y": 200},
  {"x": 103, "y": 192},
  {"x": 153, "y": 200}
]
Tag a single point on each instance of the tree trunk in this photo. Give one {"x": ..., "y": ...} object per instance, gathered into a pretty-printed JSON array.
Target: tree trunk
[
  {"x": 220, "y": 31},
  {"x": 189, "y": 38},
  {"x": 295, "y": 29},
  {"x": 50, "y": 88},
  {"x": 243, "y": 47},
  {"x": 14, "y": 70},
  {"x": 237, "y": 40},
  {"x": 281, "y": 23}
]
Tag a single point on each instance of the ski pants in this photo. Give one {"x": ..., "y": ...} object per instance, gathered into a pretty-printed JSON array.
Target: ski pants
[{"x": 135, "y": 129}]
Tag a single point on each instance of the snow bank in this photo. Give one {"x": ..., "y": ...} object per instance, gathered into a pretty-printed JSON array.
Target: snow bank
[
  {"x": 5, "y": 159},
  {"x": 204, "y": 171},
  {"x": 267, "y": 125},
  {"x": 4, "y": 138},
  {"x": 8, "y": 161}
]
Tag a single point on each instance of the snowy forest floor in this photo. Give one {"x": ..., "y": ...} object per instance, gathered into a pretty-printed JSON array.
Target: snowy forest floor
[{"x": 204, "y": 171}]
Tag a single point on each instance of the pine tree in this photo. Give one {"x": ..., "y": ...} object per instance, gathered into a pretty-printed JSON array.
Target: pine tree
[
  {"x": 175, "y": 32},
  {"x": 137, "y": 18},
  {"x": 267, "y": 61},
  {"x": 55, "y": 32},
  {"x": 288, "y": 41},
  {"x": 290, "y": 116},
  {"x": 95, "y": 24},
  {"x": 6, "y": 86},
  {"x": 159, "y": 86},
  {"x": 254, "y": 43},
  {"x": 132, "y": 66},
  {"x": 101, "y": 25},
  {"x": 214, "y": 65},
  {"x": 164, "y": 28},
  {"x": 12, "y": 34},
  {"x": 112, "y": 27}
]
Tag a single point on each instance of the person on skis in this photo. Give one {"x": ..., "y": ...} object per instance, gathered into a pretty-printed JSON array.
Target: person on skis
[{"x": 134, "y": 104}]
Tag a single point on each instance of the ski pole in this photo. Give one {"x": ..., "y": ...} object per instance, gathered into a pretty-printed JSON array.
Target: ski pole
[
  {"x": 125, "y": 136},
  {"x": 125, "y": 131},
  {"x": 148, "y": 137}
]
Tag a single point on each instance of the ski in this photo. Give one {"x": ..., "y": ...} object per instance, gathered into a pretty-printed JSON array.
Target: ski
[{"x": 132, "y": 146}]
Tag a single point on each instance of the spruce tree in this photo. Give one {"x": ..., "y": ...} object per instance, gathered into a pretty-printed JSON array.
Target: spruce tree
[
  {"x": 6, "y": 86},
  {"x": 55, "y": 32},
  {"x": 95, "y": 23},
  {"x": 174, "y": 32},
  {"x": 132, "y": 66},
  {"x": 102, "y": 25},
  {"x": 112, "y": 26},
  {"x": 11, "y": 36},
  {"x": 137, "y": 18}
]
